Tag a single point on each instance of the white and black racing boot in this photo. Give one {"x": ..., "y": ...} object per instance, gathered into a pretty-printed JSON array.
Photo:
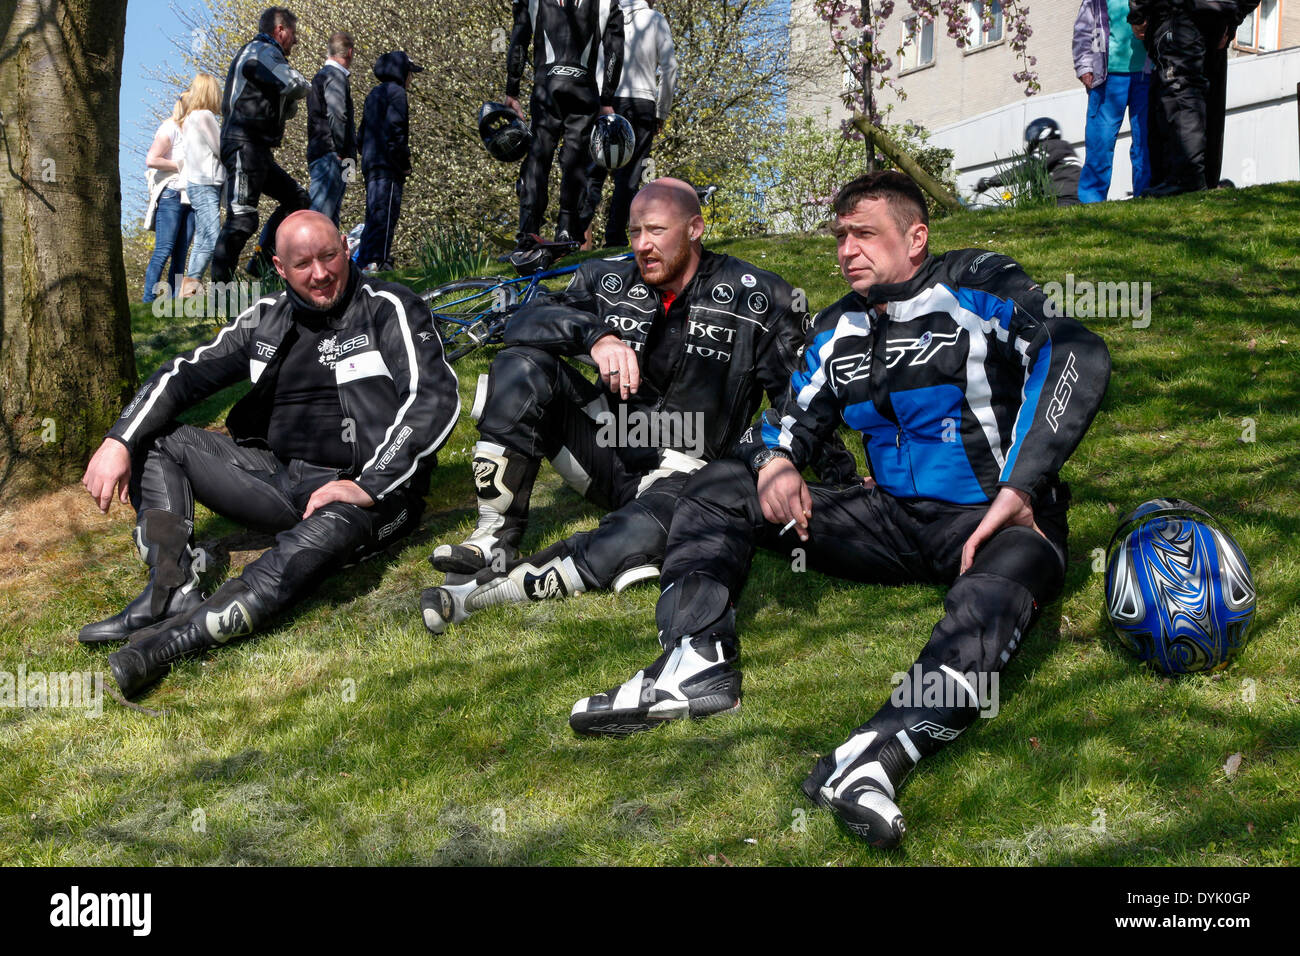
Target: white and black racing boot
[
  {"x": 858, "y": 783},
  {"x": 234, "y": 611},
  {"x": 551, "y": 573},
  {"x": 163, "y": 540},
  {"x": 504, "y": 482},
  {"x": 695, "y": 677}
]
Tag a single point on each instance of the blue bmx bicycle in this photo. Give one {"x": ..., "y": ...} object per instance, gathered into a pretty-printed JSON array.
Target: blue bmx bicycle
[{"x": 472, "y": 312}]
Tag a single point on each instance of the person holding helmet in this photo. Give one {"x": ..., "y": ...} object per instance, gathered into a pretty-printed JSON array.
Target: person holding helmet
[
  {"x": 970, "y": 392},
  {"x": 567, "y": 40},
  {"x": 644, "y": 97},
  {"x": 1043, "y": 144},
  {"x": 687, "y": 342},
  {"x": 262, "y": 93}
]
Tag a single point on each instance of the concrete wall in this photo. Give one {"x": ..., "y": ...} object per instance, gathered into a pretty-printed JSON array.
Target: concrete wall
[{"x": 970, "y": 104}]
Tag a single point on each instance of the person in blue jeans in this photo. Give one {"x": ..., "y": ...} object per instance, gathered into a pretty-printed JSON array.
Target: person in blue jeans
[
  {"x": 173, "y": 230},
  {"x": 1112, "y": 65},
  {"x": 200, "y": 145},
  {"x": 169, "y": 214},
  {"x": 331, "y": 131}
]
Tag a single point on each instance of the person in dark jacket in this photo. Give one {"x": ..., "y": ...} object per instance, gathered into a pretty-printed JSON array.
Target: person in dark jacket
[
  {"x": 970, "y": 392},
  {"x": 262, "y": 92},
  {"x": 332, "y": 449},
  {"x": 1043, "y": 144},
  {"x": 687, "y": 342},
  {"x": 1187, "y": 40},
  {"x": 385, "y": 157},
  {"x": 331, "y": 130},
  {"x": 567, "y": 41}
]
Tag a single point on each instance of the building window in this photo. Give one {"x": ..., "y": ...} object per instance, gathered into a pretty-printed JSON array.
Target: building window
[
  {"x": 979, "y": 35},
  {"x": 918, "y": 43},
  {"x": 1259, "y": 31}
]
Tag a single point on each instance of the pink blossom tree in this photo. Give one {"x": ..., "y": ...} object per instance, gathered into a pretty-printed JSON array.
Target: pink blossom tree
[{"x": 856, "y": 27}]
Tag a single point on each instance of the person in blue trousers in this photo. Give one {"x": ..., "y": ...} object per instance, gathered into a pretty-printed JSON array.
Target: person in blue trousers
[{"x": 1112, "y": 64}]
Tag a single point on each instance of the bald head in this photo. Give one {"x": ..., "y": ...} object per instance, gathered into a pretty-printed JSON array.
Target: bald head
[
  {"x": 305, "y": 226},
  {"x": 312, "y": 258},
  {"x": 678, "y": 194},
  {"x": 666, "y": 229}
]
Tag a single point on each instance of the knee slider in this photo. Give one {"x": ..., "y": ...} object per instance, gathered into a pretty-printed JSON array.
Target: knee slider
[
  {"x": 1024, "y": 556},
  {"x": 627, "y": 547}
]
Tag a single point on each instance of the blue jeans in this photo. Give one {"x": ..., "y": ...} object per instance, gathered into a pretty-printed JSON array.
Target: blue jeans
[
  {"x": 327, "y": 185},
  {"x": 206, "y": 203},
  {"x": 1107, "y": 102},
  {"x": 173, "y": 229}
]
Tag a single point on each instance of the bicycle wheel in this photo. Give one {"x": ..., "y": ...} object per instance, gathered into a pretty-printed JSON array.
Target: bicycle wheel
[{"x": 470, "y": 312}]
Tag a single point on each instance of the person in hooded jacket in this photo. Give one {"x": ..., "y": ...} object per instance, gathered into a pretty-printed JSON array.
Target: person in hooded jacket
[
  {"x": 644, "y": 97},
  {"x": 385, "y": 157}
]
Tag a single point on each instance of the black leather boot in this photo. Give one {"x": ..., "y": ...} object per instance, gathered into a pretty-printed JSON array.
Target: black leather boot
[
  {"x": 234, "y": 611},
  {"x": 163, "y": 540}
]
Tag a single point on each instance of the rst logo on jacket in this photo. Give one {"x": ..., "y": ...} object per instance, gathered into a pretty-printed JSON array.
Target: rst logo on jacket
[
  {"x": 922, "y": 349},
  {"x": 611, "y": 283},
  {"x": 1061, "y": 395},
  {"x": 848, "y": 368}
]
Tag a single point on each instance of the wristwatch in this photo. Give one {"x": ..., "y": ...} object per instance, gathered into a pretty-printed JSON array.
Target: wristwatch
[{"x": 764, "y": 456}]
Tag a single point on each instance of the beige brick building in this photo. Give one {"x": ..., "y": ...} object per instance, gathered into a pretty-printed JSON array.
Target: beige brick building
[{"x": 945, "y": 84}]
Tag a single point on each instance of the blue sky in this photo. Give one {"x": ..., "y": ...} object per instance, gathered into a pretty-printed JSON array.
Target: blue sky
[{"x": 151, "y": 28}]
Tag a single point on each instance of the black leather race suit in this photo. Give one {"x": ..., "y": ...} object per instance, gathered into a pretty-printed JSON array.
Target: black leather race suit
[{"x": 566, "y": 36}]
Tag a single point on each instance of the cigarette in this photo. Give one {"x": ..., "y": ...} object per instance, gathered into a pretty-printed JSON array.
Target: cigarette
[{"x": 789, "y": 526}]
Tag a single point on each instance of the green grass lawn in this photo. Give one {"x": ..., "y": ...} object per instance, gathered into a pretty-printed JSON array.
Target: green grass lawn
[{"x": 346, "y": 734}]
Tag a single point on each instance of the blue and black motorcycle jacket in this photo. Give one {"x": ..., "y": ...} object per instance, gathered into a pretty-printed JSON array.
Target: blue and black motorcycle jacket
[{"x": 961, "y": 380}]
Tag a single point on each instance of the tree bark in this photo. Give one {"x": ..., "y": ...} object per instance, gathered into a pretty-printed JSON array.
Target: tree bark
[{"x": 66, "y": 361}]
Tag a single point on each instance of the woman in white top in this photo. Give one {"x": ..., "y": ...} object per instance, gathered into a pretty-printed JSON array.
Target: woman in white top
[
  {"x": 204, "y": 174},
  {"x": 169, "y": 214}
]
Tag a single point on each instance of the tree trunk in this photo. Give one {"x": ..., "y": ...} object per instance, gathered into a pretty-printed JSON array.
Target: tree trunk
[
  {"x": 868, "y": 91},
  {"x": 66, "y": 362}
]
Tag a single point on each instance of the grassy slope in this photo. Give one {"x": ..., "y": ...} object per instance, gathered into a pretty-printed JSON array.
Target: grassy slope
[{"x": 458, "y": 750}]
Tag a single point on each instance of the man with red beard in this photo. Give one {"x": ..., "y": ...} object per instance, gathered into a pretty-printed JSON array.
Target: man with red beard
[
  {"x": 331, "y": 448},
  {"x": 686, "y": 342}
]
